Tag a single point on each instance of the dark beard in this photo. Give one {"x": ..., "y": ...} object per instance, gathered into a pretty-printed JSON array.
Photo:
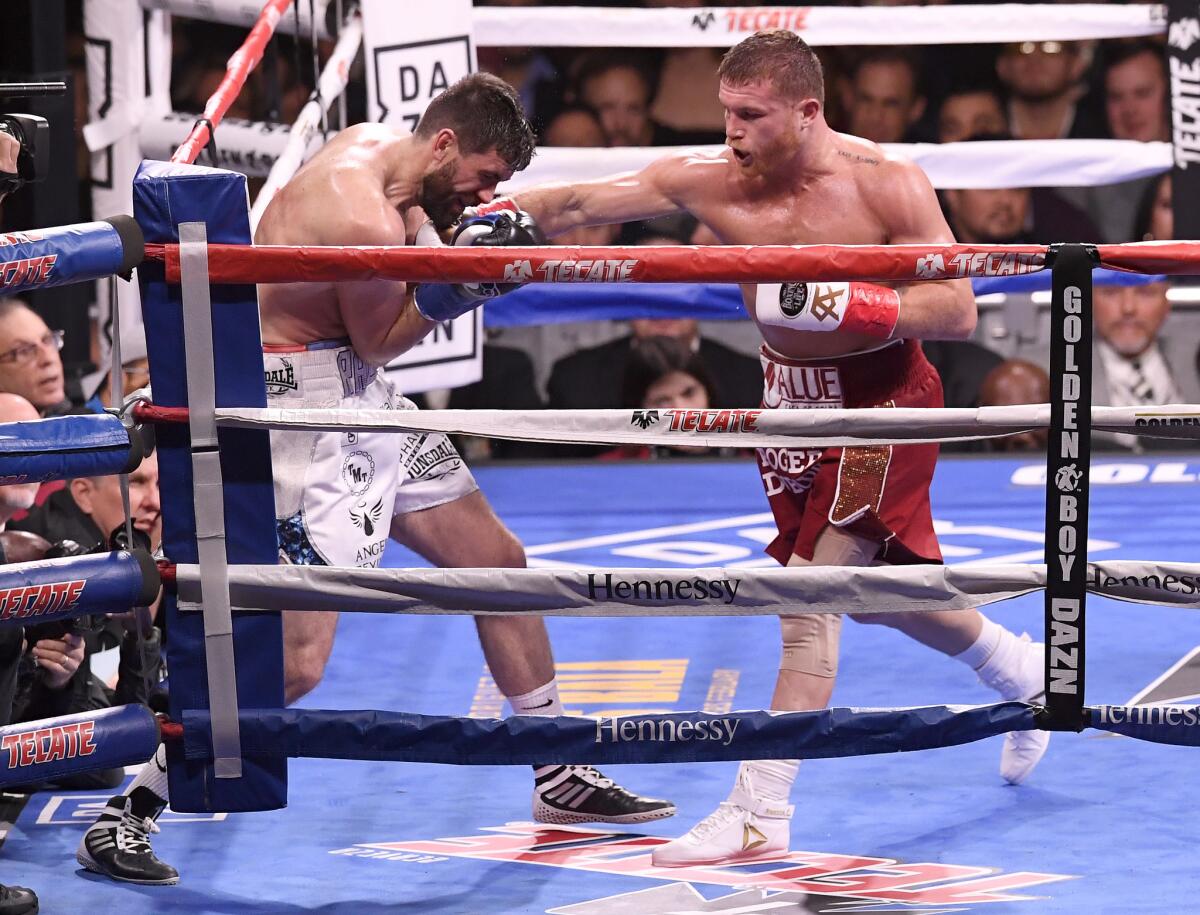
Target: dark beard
[{"x": 437, "y": 197}]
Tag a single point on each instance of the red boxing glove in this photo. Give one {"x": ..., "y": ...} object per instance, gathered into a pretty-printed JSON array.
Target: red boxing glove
[
  {"x": 862, "y": 308},
  {"x": 497, "y": 205}
]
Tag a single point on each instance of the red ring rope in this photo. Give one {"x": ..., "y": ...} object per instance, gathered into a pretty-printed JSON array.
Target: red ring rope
[
  {"x": 674, "y": 264},
  {"x": 238, "y": 68}
]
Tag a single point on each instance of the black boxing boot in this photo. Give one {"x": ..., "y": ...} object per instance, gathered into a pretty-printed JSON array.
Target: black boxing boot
[
  {"x": 18, "y": 900},
  {"x": 580, "y": 794},
  {"x": 117, "y": 845}
]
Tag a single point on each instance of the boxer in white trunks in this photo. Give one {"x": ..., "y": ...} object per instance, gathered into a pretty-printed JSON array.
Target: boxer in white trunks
[{"x": 338, "y": 497}]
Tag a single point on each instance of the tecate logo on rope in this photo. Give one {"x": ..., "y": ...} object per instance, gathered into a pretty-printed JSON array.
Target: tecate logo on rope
[
  {"x": 755, "y": 19},
  {"x": 62, "y": 741},
  {"x": 581, "y": 271},
  {"x": 700, "y": 420},
  {"x": 1012, "y": 263},
  {"x": 34, "y": 600}
]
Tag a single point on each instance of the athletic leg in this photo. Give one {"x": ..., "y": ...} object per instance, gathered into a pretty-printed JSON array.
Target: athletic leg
[
  {"x": 466, "y": 533},
  {"x": 1011, "y": 665},
  {"x": 307, "y": 644}
]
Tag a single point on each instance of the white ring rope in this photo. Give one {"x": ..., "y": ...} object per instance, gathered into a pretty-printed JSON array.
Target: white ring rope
[
  {"x": 330, "y": 86},
  {"x": 979, "y": 165},
  {"x": 723, "y": 428},
  {"x": 719, "y": 27},
  {"x": 254, "y": 147},
  {"x": 678, "y": 592},
  {"x": 239, "y": 12}
]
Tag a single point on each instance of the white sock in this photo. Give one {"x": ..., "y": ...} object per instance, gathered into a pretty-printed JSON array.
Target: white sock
[
  {"x": 153, "y": 775},
  {"x": 542, "y": 701},
  {"x": 983, "y": 647},
  {"x": 769, "y": 779}
]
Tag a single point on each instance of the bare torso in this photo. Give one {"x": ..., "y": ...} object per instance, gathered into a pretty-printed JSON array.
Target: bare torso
[
  {"x": 338, "y": 198},
  {"x": 839, "y": 207}
]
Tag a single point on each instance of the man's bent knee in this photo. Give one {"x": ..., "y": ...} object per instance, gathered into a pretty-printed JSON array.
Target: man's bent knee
[
  {"x": 509, "y": 553},
  {"x": 876, "y": 619},
  {"x": 810, "y": 643},
  {"x": 303, "y": 670}
]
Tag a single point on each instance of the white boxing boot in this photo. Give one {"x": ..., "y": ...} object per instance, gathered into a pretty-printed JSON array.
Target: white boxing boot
[
  {"x": 1016, "y": 670},
  {"x": 742, "y": 829}
]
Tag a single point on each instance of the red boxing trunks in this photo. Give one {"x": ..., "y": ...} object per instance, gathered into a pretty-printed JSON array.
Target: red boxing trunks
[{"x": 878, "y": 492}]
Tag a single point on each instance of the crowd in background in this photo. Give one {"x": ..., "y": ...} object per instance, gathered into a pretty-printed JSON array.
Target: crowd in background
[{"x": 609, "y": 97}]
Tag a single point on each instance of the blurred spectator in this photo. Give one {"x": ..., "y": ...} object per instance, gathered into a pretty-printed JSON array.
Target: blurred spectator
[
  {"x": 574, "y": 127},
  {"x": 970, "y": 112},
  {"x": 1044, "y": 81},
  {"x": 1134, "y": 78},
  {"x": 663, "y": 373},
  {"x": 88, "y": 509},
  {"x": 1015, "y": 215},
  {"x": 1135, "y": 91},
  {"x": 1156, "y": 217},
  {"x": 30, "y": 365},
  {"x": 686, "y": 97},
  {"x": 193, "y": 85},
  {"x": 1135, "y": 365},
  {"x": 508, "y": 383},
  {"x": 528, "y": 70},
  {"x": 883, "y": 97},
  {"x": 592, "y": 378},
  {"x": 135, "y": 373},
  {"x": 1013, "y": 382},
  {"x": 962, "y": 365},
  {"x": 619, "y": 89}
]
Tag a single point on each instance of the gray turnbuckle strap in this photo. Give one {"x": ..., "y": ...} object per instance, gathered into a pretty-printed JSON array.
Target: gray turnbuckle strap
[{"x": 209, "y": 501}]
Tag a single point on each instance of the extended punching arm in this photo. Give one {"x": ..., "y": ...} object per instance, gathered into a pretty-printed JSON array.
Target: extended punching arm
[{"x": 444, "y": 301}]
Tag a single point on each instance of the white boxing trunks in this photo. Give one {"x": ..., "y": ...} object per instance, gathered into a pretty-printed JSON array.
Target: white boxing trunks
[{"x": 336, "y": 492}]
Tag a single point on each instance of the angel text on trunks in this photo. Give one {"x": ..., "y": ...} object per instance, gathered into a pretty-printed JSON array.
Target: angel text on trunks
[
  {"x": 611, "y": 587},
  {"x": 63, "y": 741}
]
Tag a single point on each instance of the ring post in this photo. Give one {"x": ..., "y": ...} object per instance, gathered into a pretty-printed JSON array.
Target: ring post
[
  {"x": 1068, "y": 453},
  {"x": 239, "y": 481}
]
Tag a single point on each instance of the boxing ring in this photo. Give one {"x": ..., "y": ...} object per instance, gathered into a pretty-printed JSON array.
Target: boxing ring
[
  {"x": 194, "y": 292},
  {"x": 884, "y": 830}
]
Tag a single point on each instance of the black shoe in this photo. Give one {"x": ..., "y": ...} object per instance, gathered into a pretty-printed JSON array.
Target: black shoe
[
  {"x": 17, "y": 900},
  {"x": 117, "y": 845},
  {"x": 580, "y": 794}
]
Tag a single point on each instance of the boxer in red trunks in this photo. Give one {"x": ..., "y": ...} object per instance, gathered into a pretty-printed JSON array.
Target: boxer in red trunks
[{"x": 788, "y": 178}]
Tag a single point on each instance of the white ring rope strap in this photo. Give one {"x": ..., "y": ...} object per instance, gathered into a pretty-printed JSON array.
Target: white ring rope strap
[
  {"x": 677, "y": 592},
  {"x": 723, "y": 428}
]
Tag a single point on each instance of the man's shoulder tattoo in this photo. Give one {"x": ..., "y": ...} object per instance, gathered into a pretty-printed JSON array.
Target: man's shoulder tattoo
[{"x": 856, "y": 157}]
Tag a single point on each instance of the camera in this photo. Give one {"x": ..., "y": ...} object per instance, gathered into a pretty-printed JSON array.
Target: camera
[
  {"x": 31, "y": 132},
  {"x": 117, "y": 540}
]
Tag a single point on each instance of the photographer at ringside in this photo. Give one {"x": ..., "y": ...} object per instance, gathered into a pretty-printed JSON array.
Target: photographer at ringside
[
  {"x": 56, "y": 677},
  {"x": 10, "y": 146},
  {"x": 15, "y": 547}
]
